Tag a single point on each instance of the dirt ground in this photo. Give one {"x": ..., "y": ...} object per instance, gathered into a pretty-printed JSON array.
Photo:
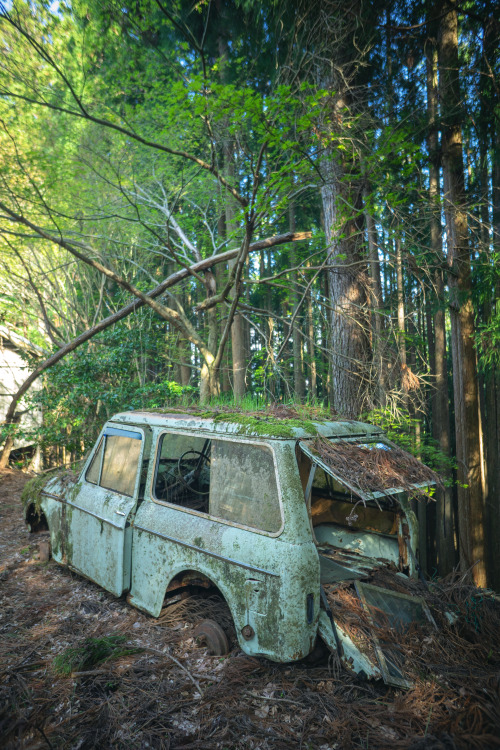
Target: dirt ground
[{"x": 162, "y": 690}]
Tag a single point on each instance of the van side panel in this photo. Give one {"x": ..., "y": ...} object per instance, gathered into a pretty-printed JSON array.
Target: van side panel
[{"x": 265, "y": 580}]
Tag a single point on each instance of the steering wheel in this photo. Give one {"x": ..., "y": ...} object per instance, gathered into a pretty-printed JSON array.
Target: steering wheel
[{"x": 188, "y": 476}]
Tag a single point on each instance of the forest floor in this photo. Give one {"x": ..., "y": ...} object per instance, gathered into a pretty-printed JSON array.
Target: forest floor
[{"x": 160, "y": 689}]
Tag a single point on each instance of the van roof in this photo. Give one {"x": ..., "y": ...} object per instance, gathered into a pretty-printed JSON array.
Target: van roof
[{"x": 248, "y": 424}]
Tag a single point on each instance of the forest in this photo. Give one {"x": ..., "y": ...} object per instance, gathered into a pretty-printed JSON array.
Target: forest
[{"x": 261, "y": 203}]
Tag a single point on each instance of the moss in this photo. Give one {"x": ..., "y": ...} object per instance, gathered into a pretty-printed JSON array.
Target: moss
[
  {"x": 93, "y": 651},
  {"x": 259, "y": 423},
  {"x": 266, "y": 425},
  {"x": 56, "y": 540},
  {"x": 32, "y": 491}
]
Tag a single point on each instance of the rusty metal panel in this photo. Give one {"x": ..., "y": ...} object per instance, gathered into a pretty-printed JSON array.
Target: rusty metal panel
[
  {"x": 351, "y": 657},
  {"x": 391, "y": 609}
]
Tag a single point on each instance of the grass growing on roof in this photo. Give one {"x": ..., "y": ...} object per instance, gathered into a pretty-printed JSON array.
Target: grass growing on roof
[
  {"x": 276, "y": 420},
  {"x": 266, "y": 424}
]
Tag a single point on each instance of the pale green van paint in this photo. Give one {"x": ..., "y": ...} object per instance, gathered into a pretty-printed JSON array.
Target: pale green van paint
[{"x": 269, "y": 579}]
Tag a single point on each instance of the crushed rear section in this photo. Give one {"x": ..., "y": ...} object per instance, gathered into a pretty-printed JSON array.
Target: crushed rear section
[{"x": 358, "y": 492}]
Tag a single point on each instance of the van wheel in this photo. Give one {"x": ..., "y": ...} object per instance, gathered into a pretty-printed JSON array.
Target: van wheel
[{"x": 208, "y": 633}]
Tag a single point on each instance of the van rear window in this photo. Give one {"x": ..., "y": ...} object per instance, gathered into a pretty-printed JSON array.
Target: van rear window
[
  {"x": 235, "y": 482},
  {"x": 243, "y": 485}
]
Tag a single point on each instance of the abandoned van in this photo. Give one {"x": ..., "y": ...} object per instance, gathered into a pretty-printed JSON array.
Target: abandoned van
[{"x": 275, "y": 513}]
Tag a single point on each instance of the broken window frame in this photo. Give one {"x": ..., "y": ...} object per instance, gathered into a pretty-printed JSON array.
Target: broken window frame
[
  {"x": 99, "y": 450},
  {"x": 365, "y": 495},
  {"x": 181, "y": 490},
  {"x": 362, "y": 587}
]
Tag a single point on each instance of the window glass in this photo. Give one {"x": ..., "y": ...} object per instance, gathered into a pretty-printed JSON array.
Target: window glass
[
  {"x": 119, "y": 468},
  {"x": 243, "y": 485},
  {"x": 92, "y": 474},
  {"x": 183, "y": 471},
  {"x": 325, "y": 484}
]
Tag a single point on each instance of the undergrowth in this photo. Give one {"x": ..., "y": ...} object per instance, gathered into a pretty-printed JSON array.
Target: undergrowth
[{"x": 93, "y": 651}]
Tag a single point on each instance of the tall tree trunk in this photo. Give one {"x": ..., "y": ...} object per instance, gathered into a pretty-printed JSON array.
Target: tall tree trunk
[
  {"x": 326, "y": 346},
  {"x": 465, "y": 382},
  {"x": 311, "y": 338},
  {"x": 237, "y": 327},
  {"x": 376, "y": 303},
  {"x": 400, "y": 306},
  {"x": 226, "y": 366},
  {"x": 350, "y": 346},
  {"x": 493, "y": 385},
  {"x": 439, "y": 401},
  {"x": 299, "y": 384}
]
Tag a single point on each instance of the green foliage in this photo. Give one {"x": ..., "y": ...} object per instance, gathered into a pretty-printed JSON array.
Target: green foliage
[
  {"x": 92, "y": 652},
  {"x": 488, "y": 342},
  {"x": 98, "y": 380}
]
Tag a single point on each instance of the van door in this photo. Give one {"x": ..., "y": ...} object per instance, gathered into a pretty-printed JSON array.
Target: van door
[{"x": 97, "y": 522}]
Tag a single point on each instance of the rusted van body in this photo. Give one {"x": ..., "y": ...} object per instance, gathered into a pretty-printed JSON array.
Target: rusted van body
[{"x": 244, "y": 504}]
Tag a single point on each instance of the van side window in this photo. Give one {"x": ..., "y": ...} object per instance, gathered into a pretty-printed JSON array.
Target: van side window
[
  {"x": 234, "y": 482},
  {"x": 94, "y": 469},
  {"x": 182, "y": 474},
  {"x": 243, "y": 485},
  {"x": 120, "y": 451}
]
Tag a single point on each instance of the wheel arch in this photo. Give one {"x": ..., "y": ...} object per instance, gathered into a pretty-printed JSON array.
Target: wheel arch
[
  {"x": 35, "y": 518},
  {"x": 186, "y": 575}
]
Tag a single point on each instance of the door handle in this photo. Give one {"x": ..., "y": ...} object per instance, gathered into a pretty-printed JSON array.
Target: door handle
[{"x": 120, "y": 513}]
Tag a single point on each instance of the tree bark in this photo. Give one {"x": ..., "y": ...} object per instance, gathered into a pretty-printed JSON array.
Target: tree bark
[
  {"x": 376, "y": 303},
  {"x": 350, "y": 347},
  {"x": 439, "y": 400},
  {"x": 299, "y": 384},
  {"x": 311, "y": 338},
  {"x": 465, "y": 381},
  {"x": 237, "y": 327},
  {"x": 401, "y": 337},
  {"x": 492, "y": 382}
]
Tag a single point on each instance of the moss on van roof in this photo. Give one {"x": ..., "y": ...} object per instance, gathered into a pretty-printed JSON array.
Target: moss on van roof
[{"x": 278, "y": 421}]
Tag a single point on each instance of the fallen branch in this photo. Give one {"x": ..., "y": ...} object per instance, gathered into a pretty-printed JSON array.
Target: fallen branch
[
  {"x": 170, "y": 281},
  {"x": 179, "y": 664}
]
